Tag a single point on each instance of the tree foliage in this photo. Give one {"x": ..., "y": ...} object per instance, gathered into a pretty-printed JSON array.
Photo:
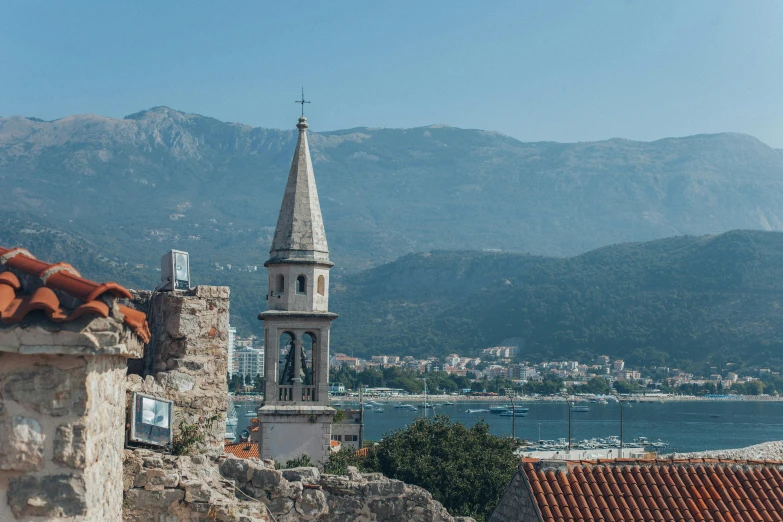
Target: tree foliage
[{"x": 466, "y": 469}]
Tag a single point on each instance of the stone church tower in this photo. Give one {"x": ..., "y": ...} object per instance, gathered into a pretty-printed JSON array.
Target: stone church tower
[{"x": 296, "y": 418}]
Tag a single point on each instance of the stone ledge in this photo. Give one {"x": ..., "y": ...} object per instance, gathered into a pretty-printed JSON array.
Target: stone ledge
[
  {"x": 274, "y": 409},
  {"x": 97, "y": 337}
]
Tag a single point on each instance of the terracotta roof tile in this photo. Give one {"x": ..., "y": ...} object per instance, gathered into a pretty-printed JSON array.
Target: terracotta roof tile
[
  {"x": 657, "y": 490},
  {"x": 243, "y": 450},
  {"x": 16, "y": 302}
]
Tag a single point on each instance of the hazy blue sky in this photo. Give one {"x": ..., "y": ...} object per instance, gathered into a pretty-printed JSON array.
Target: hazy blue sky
[{"x": 549, "y": 70}]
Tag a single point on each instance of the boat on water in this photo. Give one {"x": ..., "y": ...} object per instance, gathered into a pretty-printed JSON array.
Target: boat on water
[
  {"x": 498, "y": 409},
  {"x": 478, "y": 411},
  {"x": 447, "y": 403},
  {"x": 426, "y": 405},
  {"x": 378, "y": 410},
  {"x": 580, "y": 408},
  {"x": 251, "y": 414},
  {"x": 515, "y": 413}
]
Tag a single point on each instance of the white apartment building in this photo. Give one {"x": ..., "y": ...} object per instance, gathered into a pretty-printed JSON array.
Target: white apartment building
[
  {"x": 249, "y": 361},
  {"x": 232, "y": 335}
]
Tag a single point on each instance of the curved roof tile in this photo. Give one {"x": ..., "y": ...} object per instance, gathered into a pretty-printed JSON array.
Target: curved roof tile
[{"x": 15, "y": 303}]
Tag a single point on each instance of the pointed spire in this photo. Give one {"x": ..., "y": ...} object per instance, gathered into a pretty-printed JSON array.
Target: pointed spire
[{"x": 300, "y": 235}]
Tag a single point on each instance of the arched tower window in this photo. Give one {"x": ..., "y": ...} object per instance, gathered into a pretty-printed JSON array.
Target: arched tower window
[
  {"x": 321, "y": 285},
  {"x": 301, "y": 285},
  {"x": 280, "y": 284}
]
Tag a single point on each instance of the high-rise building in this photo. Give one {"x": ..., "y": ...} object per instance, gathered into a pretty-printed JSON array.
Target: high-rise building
[
  {"x": 249, "y": 361},
  {"x": 232, "y": 335}
]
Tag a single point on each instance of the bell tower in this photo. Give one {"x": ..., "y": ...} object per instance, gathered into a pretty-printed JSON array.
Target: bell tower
[{"x": 295, "y": 418}]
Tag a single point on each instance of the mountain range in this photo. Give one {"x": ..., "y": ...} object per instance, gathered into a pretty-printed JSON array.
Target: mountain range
[
  {"x": 163, "y": 179},
  {"x": 515, "y": 233}
]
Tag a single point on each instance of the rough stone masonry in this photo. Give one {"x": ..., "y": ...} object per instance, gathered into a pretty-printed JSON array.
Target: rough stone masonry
[
  {"x": 186, "y": 359},
  {"x": 203, "y": 488},
  {"x": 62, "y": 411}
]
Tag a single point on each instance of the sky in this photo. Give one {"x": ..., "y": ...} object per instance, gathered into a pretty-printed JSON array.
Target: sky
[{"x": 535, "y": 70}]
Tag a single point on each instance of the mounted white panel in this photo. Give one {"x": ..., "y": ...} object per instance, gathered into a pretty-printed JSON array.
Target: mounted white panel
[{"x": 175, "y": 271}]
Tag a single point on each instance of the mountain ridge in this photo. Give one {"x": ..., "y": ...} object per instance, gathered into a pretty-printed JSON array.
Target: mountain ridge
[{"x": 179, "y": 180}]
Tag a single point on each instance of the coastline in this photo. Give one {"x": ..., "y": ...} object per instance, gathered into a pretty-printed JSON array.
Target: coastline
[{"x": 528, "y": 398}]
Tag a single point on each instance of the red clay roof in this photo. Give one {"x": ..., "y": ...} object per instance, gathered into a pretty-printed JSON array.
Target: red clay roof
[
  {"x": 657, "y": 490},
  {"x": 243, "y": 450},
  {"x": 15, "y": 304}
]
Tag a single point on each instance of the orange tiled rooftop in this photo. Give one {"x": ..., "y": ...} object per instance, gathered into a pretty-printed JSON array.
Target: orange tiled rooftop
[
  {"x": 243, "y": 450},
  {"x": 59, "y": 291},
  {"x": 656, "y": 490}
]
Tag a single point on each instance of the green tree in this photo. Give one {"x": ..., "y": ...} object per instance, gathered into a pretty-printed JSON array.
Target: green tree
[
  {"x": 258, "y": 383},
  {"x": 466, "y": 469},
  {"x": 340, "y": 460}
]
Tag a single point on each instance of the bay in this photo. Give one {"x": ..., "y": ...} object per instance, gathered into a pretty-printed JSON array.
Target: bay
[{"x": 686, "y": 426}]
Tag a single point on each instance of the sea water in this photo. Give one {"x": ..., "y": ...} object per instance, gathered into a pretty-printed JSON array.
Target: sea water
[{"x": 685, "y": 426}]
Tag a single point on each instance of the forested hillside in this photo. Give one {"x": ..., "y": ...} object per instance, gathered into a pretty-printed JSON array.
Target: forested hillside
[
  {"x": 667, "y": 301},
  {"x": 678, "y": 301}
]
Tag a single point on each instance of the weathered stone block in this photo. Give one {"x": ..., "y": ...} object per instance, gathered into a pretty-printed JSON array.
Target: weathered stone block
[
  {"x": 197, "y": 491},
  {"x": 281, "y": 506},
  {"x": 54, "y": 496},
  {"x": 175, "y": 380},
  {"x": 307, "y": 475},
  {"x": 268, "y": 479},
  {"x": 48, "y": 390},
  {"x": 212, "y": 292},
  {"x": 182, "y": 325},
  {"x": 144, "y": 499},
  {"x": 386, "y": 488},
  {"x": 21, "y": 444},
  {"x": 312, "y": 504},
  {"x": 236, "y": 469},
  {"x": 131, "y": 469},
  {"x": 70, "y": 446},
  {"x": 160, "y": 478}
]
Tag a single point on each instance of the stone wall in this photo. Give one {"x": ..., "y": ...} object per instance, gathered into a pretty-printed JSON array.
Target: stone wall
[
  {"x": 187, "y": 356},
  {"x": 201, "y": 488},
  {"x": 305, "y": 494},
  {"x": 178, "y": 489},
  {"x": 61, "y": 420},
  {"x": 517, "y": 504}
]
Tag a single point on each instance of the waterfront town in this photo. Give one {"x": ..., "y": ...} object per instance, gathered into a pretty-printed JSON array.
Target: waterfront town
[{"x": 496, "y": 372}]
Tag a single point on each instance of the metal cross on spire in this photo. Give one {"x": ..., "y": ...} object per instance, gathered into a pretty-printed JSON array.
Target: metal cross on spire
[{"x": 302, "y": 101}]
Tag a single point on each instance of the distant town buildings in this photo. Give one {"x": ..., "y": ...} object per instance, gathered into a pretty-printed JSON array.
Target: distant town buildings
[
  {"x": 501, "y": 352},
  {"x": 232, "y": 334},
  {"x": 249, "y": 362},
  {"x": 495, "y": 363}
]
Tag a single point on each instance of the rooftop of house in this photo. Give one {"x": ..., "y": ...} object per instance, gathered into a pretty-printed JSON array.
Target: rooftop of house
[
  {"x": 243, "y": 450},
  {"x": 57, "y": 300},
  {"x": 651, "y": 490}
]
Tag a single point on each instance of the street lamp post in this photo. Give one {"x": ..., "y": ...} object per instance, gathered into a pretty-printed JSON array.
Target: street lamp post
[
  {"x": 621, "y": 425},
  {"x": 622, "y": 409},
  {"x": 568, "y": 402}
]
